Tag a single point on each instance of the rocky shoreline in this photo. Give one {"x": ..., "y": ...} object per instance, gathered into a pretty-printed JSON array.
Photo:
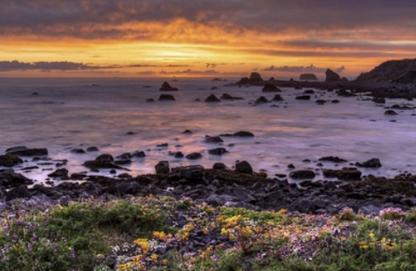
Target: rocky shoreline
[{"x": 222, "y": 186}]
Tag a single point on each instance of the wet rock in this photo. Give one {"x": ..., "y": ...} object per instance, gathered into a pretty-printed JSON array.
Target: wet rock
[
  {"x": 23, "y": 151},
  {"x": 150, "y": 100},
  {"x": 347, "y": 187},
  {"x": 320, "y": 102},
  {"x": 9, "y": 160},
  {"x": 309, "y": 91},
  {"x": 303, "y": 97},
  {"x": 163, "y": 145},
  {"x": 18, "y": 193},
  {"x": 9, "y": 179},
  {"x": 212, "y": 99},
  {"x": 333, "y": 159},
  {"x": 179, "y": 155},
  {"x": 102, "y": 161},
  {"x": 162, "y": 167},
  {"x": 277, "y": 98},
  {"x": 302, "y": 174},
  {"x": 122, "y": 162},
  {"x": 261, "y": 100},
  {"x": 243, "y": 134},
  {"x": 219, "y": 166},
  {"x": 334, "y": 101},
  {"x": 226, "y": 96},
  {"x": 130, "y": 133},
  {"x": 372, "y": 163},
  {"x": 213, "y": 139},
  {"x": 139, "y": 154},
  {"x": 270, "y": 88},
  {"x": 166, "y": 87},
  {"x": 78, "y": 176},
  {"x": 243, "y": 167},
  {"x": 59, "y": 173},
  {"x": 194, "y": 173},
  {"x": 187, "y": 132},
  {"x": 218, "y": 151},
  {"x": 332, "y": 76},
  {"x": 194, "y": 156},
  {"x": 291, "y": 166},
  {"x": 78, "y": 151},
  {"x": 166, "y": 97},
  {"x": 379, "y": 100},
  {"x": 343, "y": 174},
  {"x": 390, "y": 113}
]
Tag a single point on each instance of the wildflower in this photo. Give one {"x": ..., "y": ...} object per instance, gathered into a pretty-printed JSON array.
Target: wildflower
[
  {"x": 143, "y": 244},
  {"x": 154, "y": 258}
]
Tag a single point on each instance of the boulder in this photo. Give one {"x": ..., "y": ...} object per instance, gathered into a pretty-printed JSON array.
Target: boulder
[
  {"x": 23, "y": 151},
  {"x": 390, "y": 113},
  {"x": 194, "y": 156},
  {"x": 212, "y": 99},
  {"x": 219, "y": 166},
  {"x": 309, "y": 91},
  {"x": 243, "y": 134},
  {"x": 92, "y": 149},
  {"x": 166, "y": 87},
  {"x": 18, "y": 193},
  {"x": 162, "y": 167},
  {"x": 9, "y": 160},
  {"x": 213, "y": 139},
  {"x": 255, "y": 77},
  {"x": 8, "y": 179},
  {"x": 345, "y": 174},
  {"x": 166, "y": 97},
  {"x": 139, "y": 154},
  {"x": 59, "y": 173},
  {"x": 102, "y": 161},
  {"x": 218, "y": 151},
  {"x": 226, "y": 96},
  {"x": 243, "y": 167},
  {"x": 308, "y": 77},
  {"x": 302, "y": 174},
  {"x": 333, "y": 159},
  {"x": 332, "y": 76},
  {"x": 270, "y": 88},
  {"x": 261, "y": 100},
  {"x": 277, "y": 98},
  {"x": 179, "y": 155},
  {"x": 194, "y": 173},
  {"x": 372, "y": 163},
  {"x": 303, "y": 97}
]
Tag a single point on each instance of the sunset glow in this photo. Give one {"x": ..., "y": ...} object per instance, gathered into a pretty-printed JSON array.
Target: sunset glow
[{"x": 206, "y": 38}]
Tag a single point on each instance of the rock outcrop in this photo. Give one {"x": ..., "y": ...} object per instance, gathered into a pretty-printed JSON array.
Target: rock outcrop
[
  {"x": 332, "y": 76},
  {"x": 308, "y": 77},
  {"x": 166, "y": 87}
]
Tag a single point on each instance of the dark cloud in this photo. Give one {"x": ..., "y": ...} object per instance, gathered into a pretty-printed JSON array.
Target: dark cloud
[
  {"x": 311, "y": 68},
  {"x": 94, "y": 19},
  {"x": 6, "y": 66}
]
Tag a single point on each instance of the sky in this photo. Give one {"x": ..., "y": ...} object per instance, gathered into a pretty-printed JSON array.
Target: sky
[{"x": 202, "y": 38}]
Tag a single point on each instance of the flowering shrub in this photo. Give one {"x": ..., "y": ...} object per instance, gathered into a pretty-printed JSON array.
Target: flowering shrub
[
  {"x": 392, "y": 214},
  {"x": 347, "y": 214}
]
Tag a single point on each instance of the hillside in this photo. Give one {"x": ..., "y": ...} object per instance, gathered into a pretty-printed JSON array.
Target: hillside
[{"x": 388, "y": 71}]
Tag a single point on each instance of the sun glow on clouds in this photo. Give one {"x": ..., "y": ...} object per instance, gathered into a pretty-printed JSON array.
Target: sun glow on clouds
[{"x": 132, "y": 39}]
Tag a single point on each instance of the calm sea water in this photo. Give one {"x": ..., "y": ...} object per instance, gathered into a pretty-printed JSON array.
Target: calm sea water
[{"x": 71, "y": 113}]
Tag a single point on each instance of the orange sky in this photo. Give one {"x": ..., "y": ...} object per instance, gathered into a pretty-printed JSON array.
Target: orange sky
[{"x": 206, "y": 38}]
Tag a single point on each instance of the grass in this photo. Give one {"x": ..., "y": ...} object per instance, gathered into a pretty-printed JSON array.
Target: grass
[{"x": 133, "y": 234}]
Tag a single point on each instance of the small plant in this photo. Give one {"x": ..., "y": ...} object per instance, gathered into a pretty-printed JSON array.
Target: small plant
[
  {"x": 392, "y": 214},
  {"x": 347, "y": 214},
  {"x": 411, "y": 216}
]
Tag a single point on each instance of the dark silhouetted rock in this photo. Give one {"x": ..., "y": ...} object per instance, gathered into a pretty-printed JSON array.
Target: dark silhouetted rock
[
  {"x": 179, "y": 155},
  {"x": 345, "y": 174},
  {"x": 28, "y": 152},
  {"x": 392, "y": 70},
  {"x": 194, "y": 173},
  {"x": 372, "y": 163},
  {"x": 187, "y": 132},
  {"x": 333, "y": 159},
  {"x": 213, "y": 139},
  {"x": 162, "y": 167},
  {"x": 194, "y": 156},
  {"x": 407, "y": 78},
  {"x": 150, "y": 100},
  {"x": 308, "y": 77},
  {"x": 303, "y": 97},
  {"x": 166, "y": 97},
  {"x": 139, "y": 154},
  {"x": 332, "y": 76},
  {"x": 277, "y": 98},
  {"x": 309, "y": 91},
  {"x": 226, "y": 96},
  {"x": 243, "y": 167},
  {"x": 302, "y": 174},
  {"x": 255, "y": 77},
  {"x": 212, "y": 99},
  {"x": 270, "y": 88},
  {"x": 59, "y": 173},
  {"x": 18, "y": 193},
  {"x": 261, "y": 100},
  {"x": 8, "y": 179},
  {"x": 166, "y": 87},
  {"x": 243, "y": 134},
  {"x": 390, "y": 113},
  {"x": 218, "y": 151},
  {"x": 379, "y": 100},
  {"x": 9, "y": 160},
  {"x": 102, "y": 161},
  {"x": 219, "y": 166},
  {"x": 78, "y": 151}
]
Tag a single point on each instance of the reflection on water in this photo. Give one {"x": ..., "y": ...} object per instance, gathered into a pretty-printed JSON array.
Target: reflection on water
[{"x": 71, "y": 113}]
